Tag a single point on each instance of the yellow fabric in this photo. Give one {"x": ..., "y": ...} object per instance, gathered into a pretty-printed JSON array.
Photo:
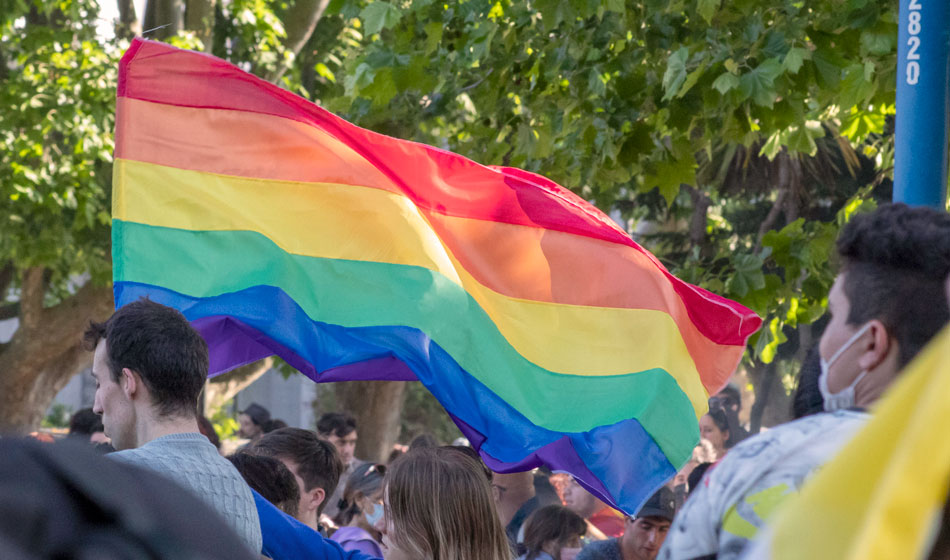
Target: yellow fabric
[
  {"x": 879, "y": 497},
  {"x": 570, "y": 339},
  {"x": 763, "y": 503}
]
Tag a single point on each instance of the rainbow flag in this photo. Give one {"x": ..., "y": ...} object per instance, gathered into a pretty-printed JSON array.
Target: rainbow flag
[
  {"x": 882, "y": 497},
  {"x": 279, "y": 228}
]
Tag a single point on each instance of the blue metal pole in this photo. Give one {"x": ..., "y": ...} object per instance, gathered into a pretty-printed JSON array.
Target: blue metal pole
[{"x": 923, "y": 103}]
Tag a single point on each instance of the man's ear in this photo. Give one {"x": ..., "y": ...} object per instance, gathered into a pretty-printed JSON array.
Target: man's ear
[
  {"x": 876, "y": 347},
  {"x": 130, "y": 382},
  {"x": 316, "y": 496}
]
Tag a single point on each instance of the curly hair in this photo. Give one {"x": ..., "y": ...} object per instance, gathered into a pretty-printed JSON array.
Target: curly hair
[{"x": 894, "y": 262}]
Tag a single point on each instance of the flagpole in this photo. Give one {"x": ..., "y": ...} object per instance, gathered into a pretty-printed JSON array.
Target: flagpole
[{"x": 923, "y": 103}]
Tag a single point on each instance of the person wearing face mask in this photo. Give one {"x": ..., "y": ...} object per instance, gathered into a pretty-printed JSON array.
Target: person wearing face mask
[
  {"x": 360, "y": 509},
  {"x": 886, "y": 303}
]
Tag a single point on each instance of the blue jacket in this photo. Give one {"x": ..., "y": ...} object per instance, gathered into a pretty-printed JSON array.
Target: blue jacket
[{"x": 285, "y": 538}]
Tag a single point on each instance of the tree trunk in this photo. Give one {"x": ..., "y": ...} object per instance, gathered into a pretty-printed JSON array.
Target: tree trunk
[
  {"x": 199, "y": 17},
  {"x": 377, "y": 407},
  {"x": 128, "y": 25},
  {"x": 163, "y": 19},
  {"x": 299, "y": 22},
  {"x": 772, "y": 405},
  {"x": 222, "y": 388},
  {"x": 45, "y": 351}
]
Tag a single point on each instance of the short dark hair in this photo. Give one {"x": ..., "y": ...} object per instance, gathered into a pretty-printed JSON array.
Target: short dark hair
[
  {"x": 339, "y": 424},
  {"x": 721, "y": 420},
  {"x": 159, "y": 344},
  {"x": 551, "y": 523},
  {"x": 730, "y": 393},
  {"x": 271, "y": 479},
  {"x": 895, "y": 261},
  {"x": 695, "y": 477},
  {"x": 85, "y": 422},
  {"x": 206, "y": 428},
  {"x": 318, "y": 462}
]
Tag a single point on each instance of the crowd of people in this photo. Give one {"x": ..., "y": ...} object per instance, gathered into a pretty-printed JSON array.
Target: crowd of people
[{"x": 142, "y": 475}]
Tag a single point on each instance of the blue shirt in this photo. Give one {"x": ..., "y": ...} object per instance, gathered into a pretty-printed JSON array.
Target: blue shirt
[{"x": 285, "y": 538}]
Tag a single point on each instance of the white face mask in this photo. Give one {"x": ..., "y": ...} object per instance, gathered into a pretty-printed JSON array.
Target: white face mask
[{"x": 845, "y": 398}]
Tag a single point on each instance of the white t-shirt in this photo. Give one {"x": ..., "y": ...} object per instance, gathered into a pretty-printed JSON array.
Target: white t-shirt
[{"x": 737, "y": 496}]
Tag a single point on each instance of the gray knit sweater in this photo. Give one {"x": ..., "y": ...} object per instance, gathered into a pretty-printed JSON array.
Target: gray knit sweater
[{"x": 193, "y": 462}]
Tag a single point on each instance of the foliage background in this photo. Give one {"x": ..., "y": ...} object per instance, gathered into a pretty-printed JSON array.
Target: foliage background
[{"x": 732, "y": 139}]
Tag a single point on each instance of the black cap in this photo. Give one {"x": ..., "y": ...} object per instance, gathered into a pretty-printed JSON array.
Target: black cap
[
  {"x": 258, "y": 413},
  {"x": 662, "y": 504}
]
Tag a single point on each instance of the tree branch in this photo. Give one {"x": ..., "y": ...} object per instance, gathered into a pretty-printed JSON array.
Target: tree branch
[
  {"x": 697, "y": 221},
  {"x": 300, "y": 21},
  {"x": 7, "y": 274},
  {"x": 163, "y": 18},
  {"x": 32, "y": 291},
  {"x": 128, "y": 25},
  {"x": 221, "y": 388},
  {"x": 769, "y": 222},
  {"x": 199, "y": 17}
]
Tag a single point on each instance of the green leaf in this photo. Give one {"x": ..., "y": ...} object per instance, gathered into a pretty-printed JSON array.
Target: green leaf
[
  {"x": 725, "y": 82},
  {"x": 322, "y": 70},
  {"x": 707, "y": 9},
  {"x": 759, "y": 83},
  {"x": 433, "y": 36},
  {"x": 794, "y": 59},
  {"x": 691, "y": 80},
  {"x": 877, "y": 43},
  {"x": 855, "y": 88},
  {"x": 379, "y": 15},
  {"x": 675, "y": 73},
  {"x": 670, "y": 175}
]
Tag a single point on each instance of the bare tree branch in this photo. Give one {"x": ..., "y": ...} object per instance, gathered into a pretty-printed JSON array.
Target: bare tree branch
[
  {"x": 299, "y": 23},
  {"x": 7, "y": 274},
  {"x": 222, "y": 388},
  {"x": 769, "y": 222},
  {"x": 128, "y": 25},
  {"x": 32, "y": 291},
  {"x": 697, "y": 221},
  {"x": 199, "y": 17},
  {"x": 163, "y": 18}
]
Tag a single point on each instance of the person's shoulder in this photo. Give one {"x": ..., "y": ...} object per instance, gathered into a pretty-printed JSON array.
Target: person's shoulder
[
  {"x": 780, "y": 437},
  {"x": 130, "y": 456},
  {"x": 600, "y": 550}
]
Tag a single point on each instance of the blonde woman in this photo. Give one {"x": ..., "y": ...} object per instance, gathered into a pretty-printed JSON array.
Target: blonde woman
[{"x": 438, "y": 506}]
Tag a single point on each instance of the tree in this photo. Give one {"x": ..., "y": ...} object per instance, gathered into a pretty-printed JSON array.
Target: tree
[
  {"x": 57, "y": 102},
  {"x": 752, "y": 130},
  {"x": 733, "y": 139}
]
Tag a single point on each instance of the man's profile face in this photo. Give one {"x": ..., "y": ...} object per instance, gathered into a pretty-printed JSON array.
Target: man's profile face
[
  {"x": 345, "y": 446},
  {"x": 845, "y": 368},
  {"x": 111, "y": 402},
  {"x": 643, "y": 537},
  {"x": 304, "y": 503},
  {"x": 579, "y": 500}
]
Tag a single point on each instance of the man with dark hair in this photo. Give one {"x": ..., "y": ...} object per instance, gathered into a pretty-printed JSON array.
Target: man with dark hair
[
  {"x": 150, "y": 366},
  {"x": 87, "y": 425},
  {"x": 313, "y": 462},
  {"x": 887, "y": 302},
  {"x": 339, "y": 428},
  {"x": 643, "y": 535},
  {"x": 271, "y": 479},
  {"x": 253, "y": 421}
]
